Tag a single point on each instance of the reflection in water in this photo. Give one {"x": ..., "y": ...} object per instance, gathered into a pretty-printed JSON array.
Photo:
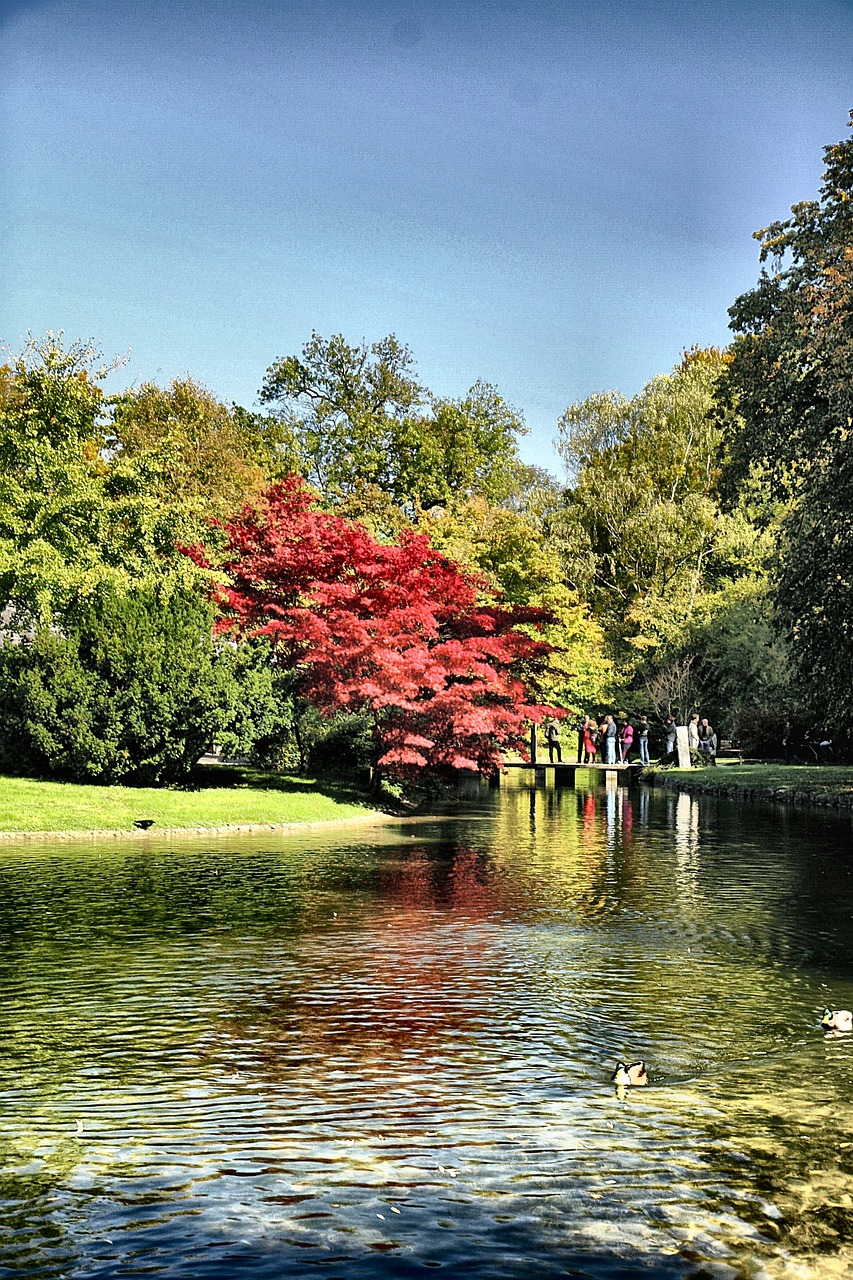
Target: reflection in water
[
  {"x": 687, "y": 845},
  {"x": 371, "y": 1055}
]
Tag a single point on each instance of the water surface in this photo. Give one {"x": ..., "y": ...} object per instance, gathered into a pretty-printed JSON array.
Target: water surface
[{"x": 384, "y": 1052}]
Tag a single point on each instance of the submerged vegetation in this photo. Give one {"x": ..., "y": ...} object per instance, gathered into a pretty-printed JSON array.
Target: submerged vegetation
[{"x": 364, "y": 573}]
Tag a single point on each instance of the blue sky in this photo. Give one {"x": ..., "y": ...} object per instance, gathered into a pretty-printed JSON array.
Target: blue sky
[{"x": 555, "y": 197}]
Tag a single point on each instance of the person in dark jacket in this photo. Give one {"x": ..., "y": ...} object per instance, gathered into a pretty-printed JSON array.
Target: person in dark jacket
[
  {"x": 669, "y": 729},
  {"x": 552, "y": 737},
  {"x": 643, "y": 739},
  {"x": 708, "y": 742},
  {"x": 582, "y": 728}
]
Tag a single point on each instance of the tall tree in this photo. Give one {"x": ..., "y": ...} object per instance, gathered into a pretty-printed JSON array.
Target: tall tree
[
  {"x": 51, "y": 471},
  {"x": 790, "y": 378},
  {"x": 344, "y": 405},
  {"x": 67, "y": 520},
  {"x": 514, "y": 552},
  {"x": 398, "y": 631},
  {"x": 640, "y": 517},
  {"x": 461, "y": 449},
  {"x": 97, "y": 488},
  {"x": 362, "y": 425},
  {"x": 679, "y": 582},
  {"x": 187, "y": 446}
]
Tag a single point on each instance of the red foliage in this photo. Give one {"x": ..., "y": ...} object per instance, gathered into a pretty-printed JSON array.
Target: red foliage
[{"x": 398, "y": 629}]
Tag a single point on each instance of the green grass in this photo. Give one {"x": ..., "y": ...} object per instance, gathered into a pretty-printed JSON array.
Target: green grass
[
  {"x": 219, "y": 797},
  {"x": 829, "y": 780}
]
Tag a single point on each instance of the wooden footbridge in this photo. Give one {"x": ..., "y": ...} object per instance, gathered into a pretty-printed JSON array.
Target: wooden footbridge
[{"x": 564, "y": 772}]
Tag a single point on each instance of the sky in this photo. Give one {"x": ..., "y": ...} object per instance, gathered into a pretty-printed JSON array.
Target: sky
[{"x": 552, "y": 196}]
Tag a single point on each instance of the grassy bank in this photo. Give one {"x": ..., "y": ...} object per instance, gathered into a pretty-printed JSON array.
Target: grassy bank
[
  {"x": 219, "y": 798},
  {"x": 828, "y": 786}
]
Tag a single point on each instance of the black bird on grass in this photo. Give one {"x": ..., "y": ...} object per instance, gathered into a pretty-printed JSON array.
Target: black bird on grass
[{"x": 144, "y": 823}]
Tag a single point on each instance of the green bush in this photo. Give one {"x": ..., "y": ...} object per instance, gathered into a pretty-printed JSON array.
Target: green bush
[
  {"x": 258, "y": 712},
  {"x": 342, "y": 744},
  {"x": 125, "y": 688},
  {"x": 698, "y": 759}
]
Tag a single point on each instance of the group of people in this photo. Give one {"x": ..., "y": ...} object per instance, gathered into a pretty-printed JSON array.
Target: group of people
[
  {"x": 701, "y": 737},
  {"x": 612, "y": 741}
]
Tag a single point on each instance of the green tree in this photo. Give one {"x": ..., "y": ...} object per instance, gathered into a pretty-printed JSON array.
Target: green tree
[
  {"x": 185, "y": 449},
  {"x": 258, "y": 712},
  {"x": 344, "y": 405},
  {"x": 680, "y": 583},
  {"x": 512, "y": 550},
  {"x": 108, "y": 671},
  {"x": 51, "y": 469},
  {"x": 461, "y": 448},
  {"x": 362, "y": 426},
  {"x": 73, "y": 515},
  {"x": 790, "y": 380},
  {"x": 640, "y": 517},
  {"x": 268, "y": 441}
]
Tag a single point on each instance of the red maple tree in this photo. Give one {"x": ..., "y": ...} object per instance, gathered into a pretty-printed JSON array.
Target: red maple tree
[{"x": 398, "y": 630}]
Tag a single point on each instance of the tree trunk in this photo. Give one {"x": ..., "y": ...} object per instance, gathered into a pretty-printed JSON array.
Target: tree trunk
[{"x": 300, "y": 745}]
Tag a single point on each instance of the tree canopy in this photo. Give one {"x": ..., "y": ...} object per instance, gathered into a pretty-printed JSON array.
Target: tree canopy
[
  {"x": 397, "y": 630},
  {"x": 360, "y": 421},
  {"x": 70, "y": 516},
  {"x": 640, "y": 517},
  {"x": 185, "y": 447},
  {"x": 790, "y": 380}
]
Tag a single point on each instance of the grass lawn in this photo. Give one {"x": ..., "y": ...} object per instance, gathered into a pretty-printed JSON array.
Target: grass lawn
[
  {"x": 813, "y": 780},
  {"x": 219, "y": 797}
]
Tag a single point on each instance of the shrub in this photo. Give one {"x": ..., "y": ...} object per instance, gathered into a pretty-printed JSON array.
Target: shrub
[
  {"x": 125, "y": 688},
  {"x": 258, "y": 711}
]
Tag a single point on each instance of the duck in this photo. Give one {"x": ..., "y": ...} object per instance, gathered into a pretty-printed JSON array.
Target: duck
[
  {"x": 630, "y": 1073},
  {"x": 837, "y": 1020}
]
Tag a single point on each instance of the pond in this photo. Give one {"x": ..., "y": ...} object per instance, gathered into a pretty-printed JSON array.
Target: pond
[{"x": 386, "y": 1051}]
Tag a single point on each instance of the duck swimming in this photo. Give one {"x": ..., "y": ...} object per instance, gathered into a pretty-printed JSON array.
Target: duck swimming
[
  {"x": 837, "y": 1020},
  {"x": 630, "y": 1073}
]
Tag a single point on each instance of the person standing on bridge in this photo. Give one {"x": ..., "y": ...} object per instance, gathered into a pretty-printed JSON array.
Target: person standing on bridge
[
  {"x": 610, "y": 734},
  {"x": 626, "y": 741},
  {"x": 590, "y": 741},
  {"x": 582, "y": 728},
  {"x": 552, "y": 737}
]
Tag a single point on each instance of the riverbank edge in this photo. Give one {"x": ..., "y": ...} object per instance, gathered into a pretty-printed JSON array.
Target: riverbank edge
[
  {"x": 681, "y": 781},
  {"x": 370, "y": 818}
]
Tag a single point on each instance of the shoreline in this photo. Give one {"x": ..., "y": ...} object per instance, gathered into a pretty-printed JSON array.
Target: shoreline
[
  {"x": 824, "y": 793},
  {"x": 372, "y": 817}
]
